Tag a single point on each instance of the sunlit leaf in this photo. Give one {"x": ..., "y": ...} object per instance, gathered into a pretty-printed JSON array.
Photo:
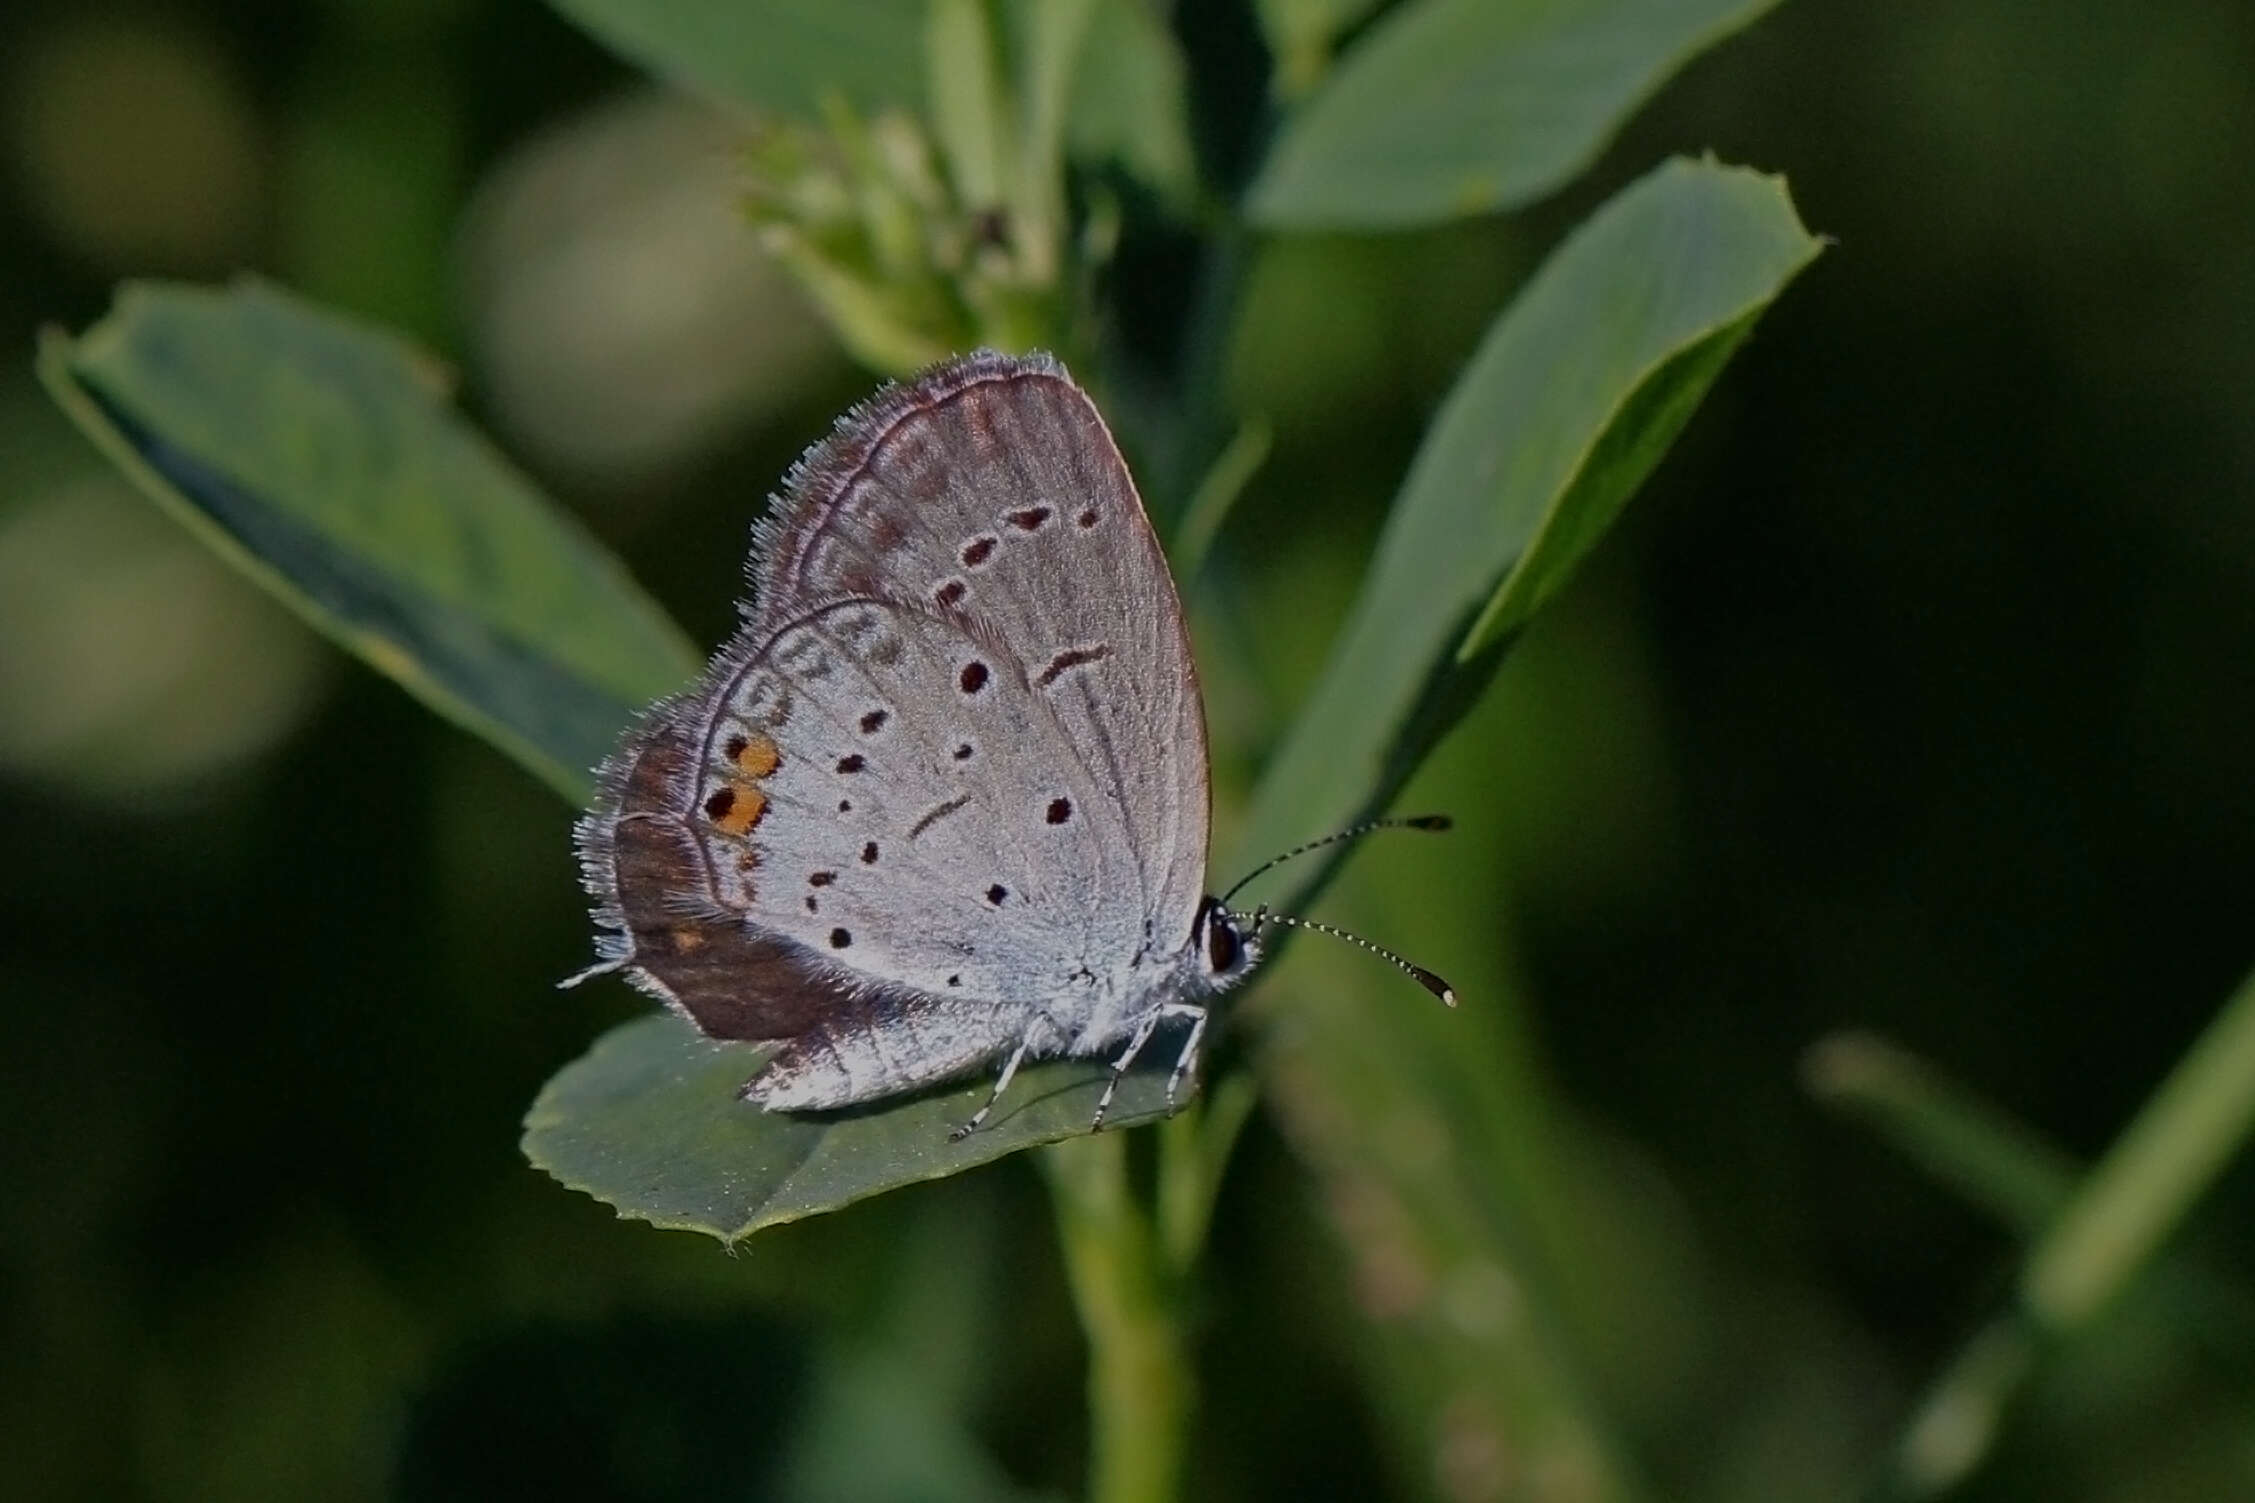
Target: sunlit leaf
[
  {"x": 1457, "y": 107},
  {"x": 1571, "y": 398},
  {"x": 1490, "y": 1244},
  {"x": 648, "y": 1121},
  {"x": 323, "y": 459}
]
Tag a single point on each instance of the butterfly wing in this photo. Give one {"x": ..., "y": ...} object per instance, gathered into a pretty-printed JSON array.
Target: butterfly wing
[{"x": 990, "y": 489}]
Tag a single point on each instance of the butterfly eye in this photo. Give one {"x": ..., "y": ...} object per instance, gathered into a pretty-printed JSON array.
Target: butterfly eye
[{"x": 1223, "y": 947}]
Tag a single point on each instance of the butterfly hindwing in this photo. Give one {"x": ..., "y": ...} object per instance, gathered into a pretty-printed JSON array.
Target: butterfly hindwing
[{"x": 888, "y": 789}]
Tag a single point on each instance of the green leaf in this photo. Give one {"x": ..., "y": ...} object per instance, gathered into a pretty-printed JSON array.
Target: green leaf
[
  {"x": 322, "y": 458},
  {"x": 1571, "y": 398},
  {"x": 781, "y": 56},
  {"x": 969, "y": 109},
  {"x": 648, "y": 1121},
  {"x": 1456, "y": 107}
]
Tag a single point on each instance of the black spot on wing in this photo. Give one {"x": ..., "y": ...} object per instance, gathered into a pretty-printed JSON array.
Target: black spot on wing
[
  {"x": 937, "y": 813},
  {"x": 1071, "y": 658}
]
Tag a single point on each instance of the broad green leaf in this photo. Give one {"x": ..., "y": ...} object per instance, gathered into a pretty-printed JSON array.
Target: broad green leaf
[
  {"x": 648, "y": 1122},
  {"x": 1457, "y": 107},
  {"x": 322, "y": 458},
  {"x": 780, "y": 56},
  {"x": 1572, "y": 396}
]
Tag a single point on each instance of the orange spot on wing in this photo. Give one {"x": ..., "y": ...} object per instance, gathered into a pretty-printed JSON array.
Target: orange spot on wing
[
  {"x": 740, "y": 812},
  {"x": 686, "y": 940},
  {"x": 757, "y": 757}
]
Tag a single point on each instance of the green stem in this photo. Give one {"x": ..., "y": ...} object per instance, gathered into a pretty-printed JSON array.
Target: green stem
[
  {"x": 1140, "y": 1383},
  {"x": 2104, "y": 1236},
  {"x": 1210, "y": 503},
  {"x": 2151, "y": 1176},
  {"x": 1957, "y": 1421},
  {"x": 1996, "y": 1163},
  {"x": 1188, "y": 446},
  {"x": 1053, "y": 36},
  {"x": 1194, "y": 1149}
]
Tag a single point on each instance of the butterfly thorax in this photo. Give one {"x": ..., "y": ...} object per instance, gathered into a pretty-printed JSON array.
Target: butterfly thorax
[{"x": 1213, "y": 959}]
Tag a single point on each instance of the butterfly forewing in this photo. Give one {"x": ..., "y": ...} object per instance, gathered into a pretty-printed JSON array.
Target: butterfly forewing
[{"x": 990, "y": 491}]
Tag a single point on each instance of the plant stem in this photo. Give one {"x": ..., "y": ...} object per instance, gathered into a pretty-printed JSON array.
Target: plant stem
[
  {"x": 2001, "y": 1165},
  {"x": 2106, "y": 1234},
  {"x": 1140, "y": 1383},
  {"x": 2148, "y": 1180},
  {"x": 1194, "y": 1150},
  {"x": 1209, "y": 505}
]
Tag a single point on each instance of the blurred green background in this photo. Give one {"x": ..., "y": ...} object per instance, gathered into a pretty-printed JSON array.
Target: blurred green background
[{"x": 1915, "y": 695}]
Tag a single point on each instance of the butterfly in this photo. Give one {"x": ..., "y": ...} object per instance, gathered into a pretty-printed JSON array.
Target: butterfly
[{"x": 942, "y": 798}]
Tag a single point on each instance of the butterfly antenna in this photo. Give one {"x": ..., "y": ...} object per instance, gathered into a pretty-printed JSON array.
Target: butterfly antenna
[
  {"x": 1409, "y": 968},
  {"x": 1395, "y": 822}
]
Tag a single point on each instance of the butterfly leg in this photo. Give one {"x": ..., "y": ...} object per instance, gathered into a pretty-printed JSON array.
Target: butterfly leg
[
  {"x": 1001, "y": 1084},
  {"x": 1188, "y": 1059},
  {"x": 600, "y": 968},
  {"x": 1135, "y": 1043},
  {"x": 1143, "y": 1031}
]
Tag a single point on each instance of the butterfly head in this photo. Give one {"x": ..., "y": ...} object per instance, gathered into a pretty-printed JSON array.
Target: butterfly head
[
  {"x": 1227, "y": 943},
  {"x": 1225, "y": 951}
]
